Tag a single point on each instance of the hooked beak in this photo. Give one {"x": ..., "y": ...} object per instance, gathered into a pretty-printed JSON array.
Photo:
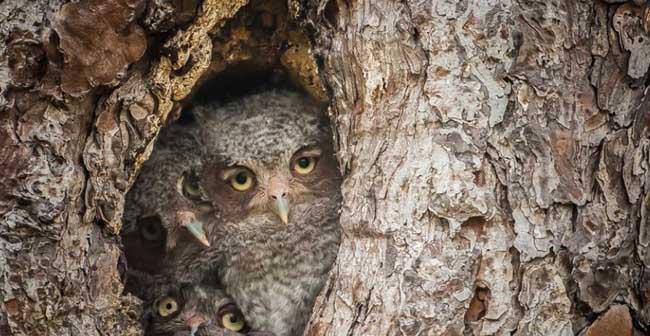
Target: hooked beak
[
  {"x": 280, "y": 206},
  {"x": 196, "y": 229}
]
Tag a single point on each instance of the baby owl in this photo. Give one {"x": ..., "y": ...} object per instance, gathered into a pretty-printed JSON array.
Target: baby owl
[
  {"x": 166, "y": 193},
  {"x": 165, "y": 203},
  {"x": 272, "y": 176},
  {"x": 193, "y": 310}
]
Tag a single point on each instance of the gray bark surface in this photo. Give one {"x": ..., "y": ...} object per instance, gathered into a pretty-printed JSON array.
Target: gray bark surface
[{"x": 495, "y": 153}]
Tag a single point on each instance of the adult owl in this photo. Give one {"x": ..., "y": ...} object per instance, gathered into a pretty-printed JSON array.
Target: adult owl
[
  {"x": 193, "y": 310},
  {"x": 165, "y": 204},
  {"x": 272, "y": 176}
]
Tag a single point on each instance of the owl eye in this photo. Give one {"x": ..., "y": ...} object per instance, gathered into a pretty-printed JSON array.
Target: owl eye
[
  {"x": 190, "y": 188},
  {"x": 166, "y": 306},
  {"x": 242, "y": 181},
  {"x": 232, "y": 322},
  {"x": 304, "y": 165},
  {"x": 232, "y": 318},
  {"x": 150, "y": 228}
]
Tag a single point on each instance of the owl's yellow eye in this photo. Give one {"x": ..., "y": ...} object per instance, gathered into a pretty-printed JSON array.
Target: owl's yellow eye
[
  {"x": 304, "y": 165},
  {"x": 232, "y": 321},
  {"x": 190, "y": 186},
  {"x": 231, "y": 318},
  {"x": 242, "y": 181},
  {"x": 167, "y": 306}
]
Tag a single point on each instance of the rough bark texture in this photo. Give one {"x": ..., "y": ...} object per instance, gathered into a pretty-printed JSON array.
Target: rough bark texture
[
  {"x": 75, "y": 126},
  {"x": 496, "y": 160},
  {"x": 496, "y": 155}
]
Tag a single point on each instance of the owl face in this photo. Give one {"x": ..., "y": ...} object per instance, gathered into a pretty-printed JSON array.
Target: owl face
[
  {"x": 270, "y": 153},
  {"x": 192, "y": 208},
  {"x": 166, "y": 201},
  {"x": 193, "y": 308},
  {"x": 254, "y": 187}
]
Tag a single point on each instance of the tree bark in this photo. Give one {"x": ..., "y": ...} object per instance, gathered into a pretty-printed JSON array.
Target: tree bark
[
  {"x": 79, "y": 117},
  {"x": 496, "y": 161},
  {"x": 495, "y": 154}
]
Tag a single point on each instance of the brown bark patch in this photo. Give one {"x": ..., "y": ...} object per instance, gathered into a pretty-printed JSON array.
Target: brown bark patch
[
  {"x": 15, "y": 159},
  {"x": 477, "y": 224},
  {"x": 615, "y": 322},
  {"x": 299, "y": 62},
  {"x": 479, "y": 305},
  {"x": 26, "y": 59},
  {"x": 98, "y": 40}
]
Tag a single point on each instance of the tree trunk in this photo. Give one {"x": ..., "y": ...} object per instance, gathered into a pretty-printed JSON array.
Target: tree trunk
[
  {"x": 77, "y": 122},
  {"x": 495, "y": 155}
]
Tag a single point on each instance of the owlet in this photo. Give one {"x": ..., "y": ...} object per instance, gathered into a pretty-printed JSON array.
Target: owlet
[
  {"x": 272, "y": 176},
  {"x": 193, "y": 310},
  {"x": 165, "y": 203}
]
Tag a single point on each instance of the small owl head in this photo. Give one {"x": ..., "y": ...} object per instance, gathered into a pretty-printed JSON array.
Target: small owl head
[
  {"x": 269, "y": 153},
  {"x": 191, "y": 309},
  {"x": 166, "y": 201}
]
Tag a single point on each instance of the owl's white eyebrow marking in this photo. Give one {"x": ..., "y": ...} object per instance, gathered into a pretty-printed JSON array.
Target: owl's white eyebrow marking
[
  {"x": 311, "y": 152},
  {"x": 179, "y": 184},
  {"x": 227, "y": 173},
  {"x": 223, "y": 301}
]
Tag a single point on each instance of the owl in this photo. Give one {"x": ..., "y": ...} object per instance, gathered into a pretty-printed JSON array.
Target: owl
[
  {"x": 193, "y": 310},
  {"x": 271, "y": 174},
  {"x": 165, "y": 203}
]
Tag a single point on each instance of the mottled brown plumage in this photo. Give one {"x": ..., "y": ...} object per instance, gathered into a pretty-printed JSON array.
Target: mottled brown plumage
[{"x": 272, "y": 175}]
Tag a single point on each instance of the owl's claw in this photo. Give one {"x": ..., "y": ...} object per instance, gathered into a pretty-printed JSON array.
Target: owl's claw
[{"x": 196, "y": 229}]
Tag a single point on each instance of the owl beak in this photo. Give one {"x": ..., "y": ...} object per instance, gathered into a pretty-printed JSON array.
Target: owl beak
[
  {"x": 278, "y": 188},
  {"x": 196, "y": 229},
  {"x": 280, "y": 207},
  {"x": 187, "y": 219}
]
